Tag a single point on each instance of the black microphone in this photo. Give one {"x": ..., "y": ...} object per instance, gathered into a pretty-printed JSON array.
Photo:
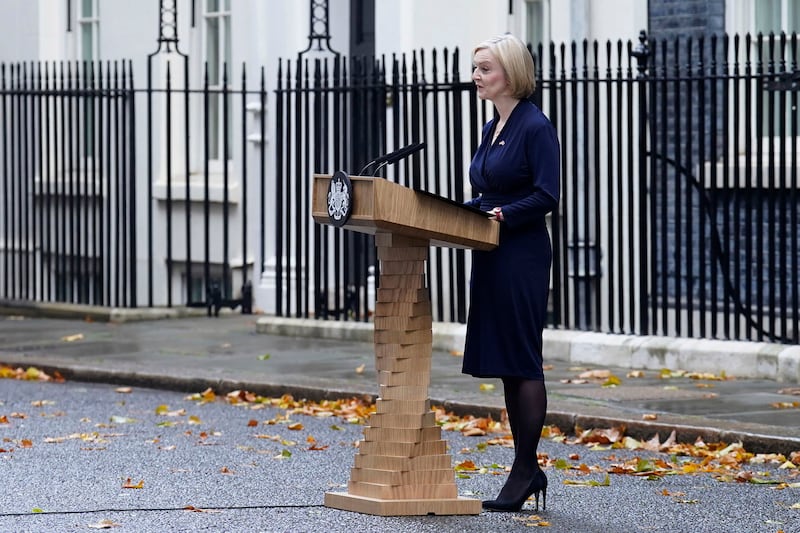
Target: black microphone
[{"x": 393, "y": 157}]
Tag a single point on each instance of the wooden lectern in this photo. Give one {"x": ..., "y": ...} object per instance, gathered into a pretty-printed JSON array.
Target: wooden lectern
[{"x": 402, "y": 466}]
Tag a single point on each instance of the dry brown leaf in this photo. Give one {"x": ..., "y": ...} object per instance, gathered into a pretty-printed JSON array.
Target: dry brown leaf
[
  {"x": 103, "y": 524},
  {"x": 193, "y": 509},
  {"x": 595, "y": 374},
  {"x": 129, "y": 484}
]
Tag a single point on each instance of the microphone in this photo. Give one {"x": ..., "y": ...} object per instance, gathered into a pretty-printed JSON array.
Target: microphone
[{"x": 392, "y": 157}]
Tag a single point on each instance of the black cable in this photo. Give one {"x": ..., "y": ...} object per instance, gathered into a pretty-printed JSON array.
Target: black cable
[
  {"x": 717, "y": 251},
  {"x": 188, "y": 508}
]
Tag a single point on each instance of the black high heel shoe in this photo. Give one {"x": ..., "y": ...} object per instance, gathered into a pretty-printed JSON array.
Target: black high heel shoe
[{"x": 537, "y": 484}]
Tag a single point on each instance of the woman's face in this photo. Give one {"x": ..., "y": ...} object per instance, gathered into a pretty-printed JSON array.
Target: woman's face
[{"x": 489, "y": 76}]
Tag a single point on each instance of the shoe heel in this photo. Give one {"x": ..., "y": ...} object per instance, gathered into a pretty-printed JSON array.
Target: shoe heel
[
  {"x": 543, "y": 488},
  {"x": 544, "y": 499}
]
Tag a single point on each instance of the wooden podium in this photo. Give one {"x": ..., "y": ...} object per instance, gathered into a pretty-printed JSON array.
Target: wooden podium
[{"x": 402, "y": 466}]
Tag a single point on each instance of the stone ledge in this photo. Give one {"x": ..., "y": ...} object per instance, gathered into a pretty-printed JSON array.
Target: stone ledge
[
  {"x": 758, "y": 360},
  {"x": 97, "y": 313}
]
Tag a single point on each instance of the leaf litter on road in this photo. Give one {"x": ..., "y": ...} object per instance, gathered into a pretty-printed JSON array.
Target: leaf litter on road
[{"x": 725, "y": 462}]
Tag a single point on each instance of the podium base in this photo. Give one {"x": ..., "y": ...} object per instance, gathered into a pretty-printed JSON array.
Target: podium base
[{"x": 374, "y": 506}]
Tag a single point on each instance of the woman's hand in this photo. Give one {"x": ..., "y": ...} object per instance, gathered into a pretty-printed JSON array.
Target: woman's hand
[{"x": 497, "y": 214}]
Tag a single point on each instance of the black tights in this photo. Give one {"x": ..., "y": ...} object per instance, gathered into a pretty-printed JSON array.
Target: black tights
[{"x": 526, "y": 404}]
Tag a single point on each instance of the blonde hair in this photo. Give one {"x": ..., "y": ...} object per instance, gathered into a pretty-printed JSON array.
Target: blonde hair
[{"x": 516, "y": 61}]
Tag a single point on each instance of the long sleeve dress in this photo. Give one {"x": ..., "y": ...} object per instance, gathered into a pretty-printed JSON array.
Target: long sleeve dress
[{"x": 509, "y": 285}]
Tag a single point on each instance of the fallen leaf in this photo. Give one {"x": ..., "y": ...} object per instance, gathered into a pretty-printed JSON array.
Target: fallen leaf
[
  {"x": 297, "y": 426},
  {"x": 122, "y": 420},
  {"x": 466, "y": 465},
  {"x": 589, "y": 483},
  {"x": 104, "y": 524},
  {"x": 360, "y": 369},
  {"x": 486, "y": 387},
  {"x": 72, "y": 338},
  {"x": 123, "y": 390},
  {"x": 225, "y": 470},
  {"x": 785, "y": 405},
  {"x": 595, "y": 374},
  {"x": 194, "y": 509},
  {"x": 649, "y": 416},
  {"x": 252, "y": 423},
  {"x": 264, "y": 357},
  {"x": 131, "y": 485}
]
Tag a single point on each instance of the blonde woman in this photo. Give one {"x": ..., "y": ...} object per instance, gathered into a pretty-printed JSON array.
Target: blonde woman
[{"x": 516, "y": 171}]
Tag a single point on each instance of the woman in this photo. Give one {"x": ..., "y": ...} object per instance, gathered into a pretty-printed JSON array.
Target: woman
[{"x": 516, "y": 171}]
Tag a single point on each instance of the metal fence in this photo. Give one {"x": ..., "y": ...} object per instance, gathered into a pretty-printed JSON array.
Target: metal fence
[
  {"x": 678, "y": 216},
  {"x": 679, "y": 180},
  {"x": 100, "y": 208},
  {"x": 68, "y": 223}
]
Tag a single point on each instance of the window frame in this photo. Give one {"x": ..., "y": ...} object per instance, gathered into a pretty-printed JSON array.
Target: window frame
[
  {"x": 92, "y": 22},
  {"x": 222, "y": 44},
  {"x": 742, "y": 19}
]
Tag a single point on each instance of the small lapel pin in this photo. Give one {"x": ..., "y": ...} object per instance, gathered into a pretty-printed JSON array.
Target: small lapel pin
[{"x": 502, "y": 143}]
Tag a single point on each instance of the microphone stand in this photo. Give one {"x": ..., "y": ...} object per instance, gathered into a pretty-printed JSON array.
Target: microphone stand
[{"x": 392, "y": 157}]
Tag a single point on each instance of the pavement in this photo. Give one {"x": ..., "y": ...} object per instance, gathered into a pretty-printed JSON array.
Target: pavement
[{"x": 184, "y": 350}]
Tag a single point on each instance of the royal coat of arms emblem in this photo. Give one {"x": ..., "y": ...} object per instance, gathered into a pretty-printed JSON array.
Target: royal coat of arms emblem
[{"x": 340, "y": 195}]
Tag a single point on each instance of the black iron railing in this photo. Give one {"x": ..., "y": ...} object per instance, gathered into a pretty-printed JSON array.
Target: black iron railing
[
  {"x": 679, "y": 180},
  {"x": 678, "y": 215}
]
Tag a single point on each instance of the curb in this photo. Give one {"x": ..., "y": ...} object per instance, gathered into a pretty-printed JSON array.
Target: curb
[
  {"x": 567, "y": 421},
  {"x": 97, "y": 313}
]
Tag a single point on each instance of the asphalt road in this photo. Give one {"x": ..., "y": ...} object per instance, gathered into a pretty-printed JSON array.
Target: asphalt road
[{"x": 67, "y": 450}]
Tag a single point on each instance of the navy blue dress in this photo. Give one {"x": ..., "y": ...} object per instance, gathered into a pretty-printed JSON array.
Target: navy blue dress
[{"x": 509, "y": 287}]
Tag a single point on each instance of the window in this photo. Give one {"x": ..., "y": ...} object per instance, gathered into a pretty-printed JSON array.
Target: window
[
  {"x": 777, "y": 16},
  {"x": 88, "y": 30},
  {"x": 87, "y": 53},
  {"x": 535, "y": 23},
  {"x": 218, "y": 54}
]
